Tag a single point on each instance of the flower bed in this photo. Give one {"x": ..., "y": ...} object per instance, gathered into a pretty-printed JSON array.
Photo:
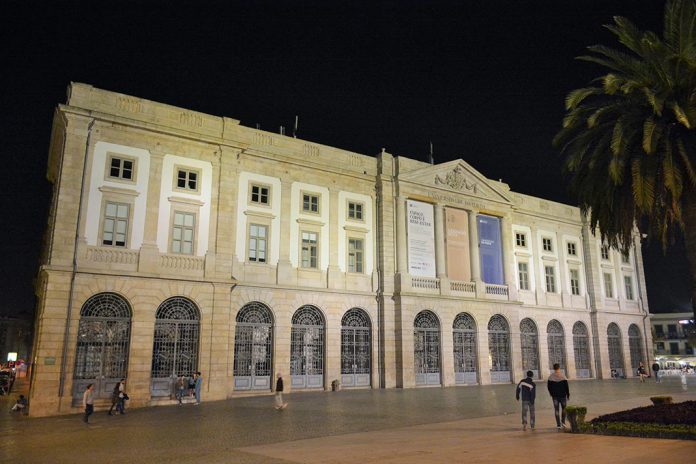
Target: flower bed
[{"x": 666, "y": 420}]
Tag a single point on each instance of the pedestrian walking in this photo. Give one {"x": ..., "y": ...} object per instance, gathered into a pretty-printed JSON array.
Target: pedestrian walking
[
  {"x": 527, "y": 389},
  {"x": 557, "y": 385},
  {"x": 198, "y": 385},
  {"x": 180, "y": 387},
  {"x": 656, "y": 371},
  {"x": 114, "y": 399},
  {"x": 279, "y": 404},
  {"x": 88, "y": 402},
  {"x": 641, "y": 372},
  {"x": 192, "y": 384}
]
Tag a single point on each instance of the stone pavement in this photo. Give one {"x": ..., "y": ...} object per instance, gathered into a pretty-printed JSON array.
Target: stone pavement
[{"x": 476, "y": 424}]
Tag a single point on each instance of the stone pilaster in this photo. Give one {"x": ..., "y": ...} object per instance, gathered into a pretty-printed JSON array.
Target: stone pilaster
[
  {"x": 508, "y": 257},
  {"x": 286, "y": 275},
  {"x": 335, "y": 276}
]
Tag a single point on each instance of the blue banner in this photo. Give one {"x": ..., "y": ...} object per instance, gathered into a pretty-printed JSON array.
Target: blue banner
[{"x": 490, "y": 250}]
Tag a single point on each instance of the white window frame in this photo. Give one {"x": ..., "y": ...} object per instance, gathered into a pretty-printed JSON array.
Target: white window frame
[
  {"x": 605, "y": 253},
  {"x": 574, "y": 281},
  {"x": 356, "y": 257},
  {"x": 308, "y": 247},
  {"x": 547, "y": 244},
  {"x": 523, "y": 275},
  {"x": 572, "y": 248},
  {"x": 608, "y": 284},
  {"x": 257, "y": 239},
  {"x": 628, "y": 287},
  {"x": 260, "y": 194},
  {"x": 310, "y": 196},
  {"x": 187, "y": 179},
  {"x": 355, "y": 205},
  {"x": 115, "y": 221},
  {"x": 121, "y": 168},
  {"x": 550, "y": 278},
  {"x": 521, "y": 239},
  {"x": 183, "y": 228}
]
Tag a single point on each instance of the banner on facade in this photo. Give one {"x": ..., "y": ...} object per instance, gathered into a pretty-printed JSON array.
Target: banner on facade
[
  {"x": 490, "y": 250},
  {"x": 458, "y": 258},
  {"x": 421, "y": 239}
]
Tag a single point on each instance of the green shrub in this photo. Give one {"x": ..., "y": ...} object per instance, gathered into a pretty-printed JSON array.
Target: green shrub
[
  {"x": 657, "y": 400},
  {"x": 576, "y": 417},
  {"x": 632, "y": 429}
]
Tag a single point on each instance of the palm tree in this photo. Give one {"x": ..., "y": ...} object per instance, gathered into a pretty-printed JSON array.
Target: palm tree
[{"x": 630, "y": 137}]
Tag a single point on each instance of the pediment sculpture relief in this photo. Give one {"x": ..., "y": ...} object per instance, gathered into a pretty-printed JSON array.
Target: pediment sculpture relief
[{"x": 456, "y": 180}]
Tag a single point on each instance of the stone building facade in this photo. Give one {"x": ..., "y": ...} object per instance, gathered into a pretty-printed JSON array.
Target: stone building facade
[{"x": 179, "y": 242}]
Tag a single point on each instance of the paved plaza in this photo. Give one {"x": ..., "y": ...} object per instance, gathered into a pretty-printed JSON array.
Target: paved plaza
[{"x": 473, "y": 424}]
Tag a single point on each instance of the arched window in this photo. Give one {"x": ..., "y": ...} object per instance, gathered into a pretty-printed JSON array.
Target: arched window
[
  {"x": 307, "y": 348},
  {"x": 175, "y": 347},
  {"x": 499, "y": 349},
  {"x": 556, "y": 341},
  {"x": 426, "y": 348},
  {"x": 581, "y": 349},
  {"x": 253, "y": 347},
  {"x": 103, "y": 340},
  {"x": 635, "y": 345},
  {"x": 616, "y": 363},
  {"x": 356, "y": 348},
  {"x": 465, "y": 359},
  {"x": 529, "y": 336}
]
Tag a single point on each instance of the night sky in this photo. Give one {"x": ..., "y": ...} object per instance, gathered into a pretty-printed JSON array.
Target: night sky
[{"x": 485, "y": 81}]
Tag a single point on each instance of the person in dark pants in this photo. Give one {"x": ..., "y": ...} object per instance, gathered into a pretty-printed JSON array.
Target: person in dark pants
[
  {"x": 560, "y": 393},
  {"x": 88, "y": 402},
  {"x": 527, "y": 388},
  {"x": 197, "y": 387},
  {"x": 656, "y": 371},
  {"x": 114, "y": 399}
]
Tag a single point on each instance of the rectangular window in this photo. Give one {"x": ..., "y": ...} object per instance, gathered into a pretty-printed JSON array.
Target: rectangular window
[
  {"x": 572, "y": 249},
  {"x": 660, "y": 346},
  {"x": 309, "y": 250},
  {"x": 672, "y": 331},
  {"x": 674, "y": 348},
  {"x": 186, "y": 179},
  {"x": 659, "y": 331},
  {"x": 521, "y": 239},
  {"x": 115, "y": 230},
  {"x": 574, "y": 282},
  {"x": 258, "y": 236},
  {"x": 628, "y": 284},
  {"x": 605, "y": 252},
  {"x": 183, "y": 233},
  {"x": 608, "y": 287},
  {"x": 523, "y": 272},
  {"x": 355, "y": 255},
  {"x": 355, "y": 211},
  {"x": 625, "y": 258},
  {"x": 550, "y": 275},
  {"x": 310, "y": 203},
  {"x": 121, "y": 168},
  {"x": 260, "y": 194},
  {"x": 688, "y": 348},
  {"x": 547, "y": 244}
]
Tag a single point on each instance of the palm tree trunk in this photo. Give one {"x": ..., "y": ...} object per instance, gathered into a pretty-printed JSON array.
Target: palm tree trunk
[{"x": 689, "y": 216}]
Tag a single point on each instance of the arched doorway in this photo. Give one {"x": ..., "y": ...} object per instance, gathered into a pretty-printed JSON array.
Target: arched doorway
[
  {"x": 426, "y": 348},
  {"x": 635, "y": 345},
  {"x": 253, "y": 347},
  {"x": 581, "y": 348},
  {"x": 356, "y": 348},
  {"x": 307, "y": 348},
  {"x": 103, "y": 341},
  {"x": 616, "y": 362},
  {"x": 499, "y": 349},
  {"x": 175, "y": 346},
  {"x": 529, "y": 336},
  {"x": 556, "y": 340},
  {"x": 465, "y": 359}
]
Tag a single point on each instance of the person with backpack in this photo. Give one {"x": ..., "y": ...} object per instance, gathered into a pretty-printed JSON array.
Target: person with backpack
[{"x": 527, "y": 389}]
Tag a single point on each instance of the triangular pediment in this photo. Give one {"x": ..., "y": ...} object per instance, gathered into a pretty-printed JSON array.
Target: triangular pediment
[{"x": 457, "y": 176}]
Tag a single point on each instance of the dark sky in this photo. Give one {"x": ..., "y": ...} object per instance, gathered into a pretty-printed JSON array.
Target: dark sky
[{"x": 485, "y": 81}]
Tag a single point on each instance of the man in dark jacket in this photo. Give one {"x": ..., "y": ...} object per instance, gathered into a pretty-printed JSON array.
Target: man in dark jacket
[
  {"x": 656, "y": 371},
  {"x": 527, "y": 389},
  {"x": 558, "y": 389},
  {"x": 279, "y": 403}
]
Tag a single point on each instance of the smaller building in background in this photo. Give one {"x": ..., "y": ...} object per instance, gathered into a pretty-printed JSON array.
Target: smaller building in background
[
  {"x": 672, "y": 348},
  {"x": 15, "y": 337}
]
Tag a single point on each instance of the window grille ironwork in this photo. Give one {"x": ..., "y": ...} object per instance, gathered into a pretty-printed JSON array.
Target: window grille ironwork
[
  {"x": 529, "y": 336},
  {"x": 615, "y": 351},
  {"x": 356, "y": 348},
  {"x": 635, "y": 345},
  {"x": 556, "y": 341},
  {"x": 426, "y": 348},
  {"x": 499, "y": 348},
  {"x": 175, "y": 349},
  {"x": 307, "y": 348},
  {"x": 253, "y": 347},
  {"x": 581, "y": 349},
  {"x": 465, "y": 358},
  {"x": 103, "y": 341}
]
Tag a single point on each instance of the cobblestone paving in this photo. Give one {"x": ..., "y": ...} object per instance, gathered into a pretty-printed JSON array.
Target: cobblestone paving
[{"x": 213, "y": 431}]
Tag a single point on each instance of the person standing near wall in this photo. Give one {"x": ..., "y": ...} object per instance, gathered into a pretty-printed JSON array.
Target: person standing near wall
[
  {"x": 279, "y": 404},
  {"x": 199, "y": 384},
  {"x": 88, "y": 402}
]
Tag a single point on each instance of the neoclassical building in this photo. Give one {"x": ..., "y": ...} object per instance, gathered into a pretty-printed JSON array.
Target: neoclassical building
[{"x": 179, "y": 241}]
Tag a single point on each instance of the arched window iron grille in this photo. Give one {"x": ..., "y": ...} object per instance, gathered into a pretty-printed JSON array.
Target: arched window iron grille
[
  {"x": 465, "y": 352},
  {"x": 103, "y": 340},
  {"x": 529, "y": 336},
  {"x": 426, "y": 348},
  {"x": 175, "y": 346},
  {"x": 253, "y": 347},
  {"x": 499, "y": 345},
  {"x": 556, "y": 343},
  {"x": 307, "y": 343},
  {"x": 426, "y": 320},
  {"x": 356, "y": 347},
  {"x": 635, "y": 345},
  {"x": 615, "y": 351},
  {"x": 581, "y": 349}
]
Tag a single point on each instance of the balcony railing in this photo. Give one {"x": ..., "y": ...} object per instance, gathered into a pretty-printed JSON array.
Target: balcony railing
[
  {"x": 463, "y": 287},
  {"x": 425, "y": 283},
  {"x": 497, "y": 290}
]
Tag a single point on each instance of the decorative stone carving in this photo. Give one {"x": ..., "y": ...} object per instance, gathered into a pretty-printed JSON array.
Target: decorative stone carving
[{"x": 456, "y": 180}]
